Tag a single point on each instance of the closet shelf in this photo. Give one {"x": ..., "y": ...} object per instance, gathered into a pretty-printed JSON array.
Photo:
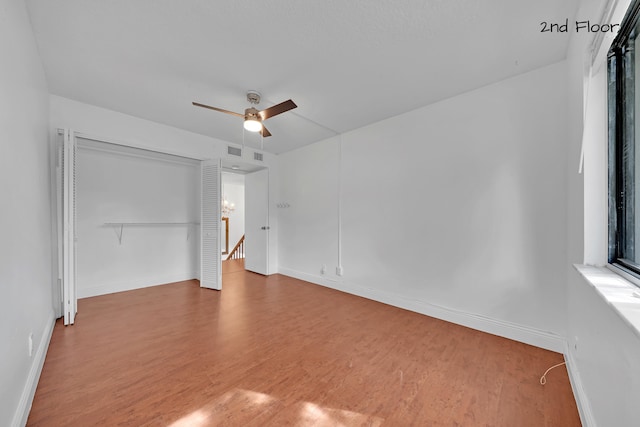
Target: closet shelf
[{"x": 119, "y": 226}]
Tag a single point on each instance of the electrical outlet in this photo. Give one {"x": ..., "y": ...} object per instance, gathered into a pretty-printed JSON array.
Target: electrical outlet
[
  {"x": 31, "y": 344},
  {"x": 323, "y": 270},
  {"x": 575, "y": 343},
  {"x": 339, "y": 270}
]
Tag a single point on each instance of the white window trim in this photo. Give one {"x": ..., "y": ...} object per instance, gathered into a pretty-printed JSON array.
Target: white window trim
[
  {"x": 618, "y": 288},
  {"x": 619, "y": 292}
]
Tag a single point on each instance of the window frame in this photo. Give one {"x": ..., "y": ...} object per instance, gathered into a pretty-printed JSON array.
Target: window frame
[{"x": 622, "y": 170}]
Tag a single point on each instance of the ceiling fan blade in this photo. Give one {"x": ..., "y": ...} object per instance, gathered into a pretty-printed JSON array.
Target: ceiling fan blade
[
  {"x": 277, "y": 109},
  {"x": 265, "y": 132},
  {"x": 217, "y": 109}
]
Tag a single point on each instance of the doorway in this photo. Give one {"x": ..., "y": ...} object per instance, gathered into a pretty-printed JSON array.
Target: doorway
[
  {"x": 164, "y": 228},
  {"x": 246, "y": 188},
  {"x": 127, "y": 218},
  {"x": 233, "y": 216}
]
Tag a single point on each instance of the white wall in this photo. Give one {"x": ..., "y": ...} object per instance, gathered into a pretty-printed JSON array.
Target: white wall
[
  {"x": 456, "y": 209},
  {"x": 25, "y": 253},
  {"x": 308, "y": 236},
  {"x": 603, "y": 349},
  {"x": 114, "y": 186},
  {"x": 603, "y": 358}
]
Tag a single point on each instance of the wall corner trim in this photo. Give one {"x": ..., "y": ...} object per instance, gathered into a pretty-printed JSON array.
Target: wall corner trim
[
  {"x": 582, "y": 400},
  {"x": 26, "y": 398}
]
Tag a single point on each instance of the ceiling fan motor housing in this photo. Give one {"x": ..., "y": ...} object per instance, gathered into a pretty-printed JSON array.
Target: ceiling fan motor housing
[{"x": 252, "y": 114}]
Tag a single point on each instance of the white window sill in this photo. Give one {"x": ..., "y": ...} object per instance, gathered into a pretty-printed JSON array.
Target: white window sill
[{"x": 622, "y": 295}]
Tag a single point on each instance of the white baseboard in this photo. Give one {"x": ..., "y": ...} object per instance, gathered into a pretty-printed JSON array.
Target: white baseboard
[
  {"x": 29, "y": 391},
  {"x": 582, "y": 401},
  {"x": 516, "y": 332},
  {"x": 110, "y": 288},
  {"x": 509, "y": 330}
]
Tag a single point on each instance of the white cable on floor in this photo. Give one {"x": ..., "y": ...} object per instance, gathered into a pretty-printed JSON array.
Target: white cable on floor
[{"x": 543, "y": 378}]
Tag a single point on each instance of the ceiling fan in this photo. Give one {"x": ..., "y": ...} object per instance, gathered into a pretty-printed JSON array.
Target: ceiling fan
[{"x": 252, "y": 117}]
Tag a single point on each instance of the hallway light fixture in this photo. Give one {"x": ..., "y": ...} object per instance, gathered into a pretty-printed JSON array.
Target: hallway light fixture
[{"x": 227, "y": 207}]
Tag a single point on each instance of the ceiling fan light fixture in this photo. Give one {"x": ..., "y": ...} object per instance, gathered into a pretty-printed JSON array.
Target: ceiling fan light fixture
[
  {"x": 253, "y": 118},
  {"x": 252, "y": 125}
]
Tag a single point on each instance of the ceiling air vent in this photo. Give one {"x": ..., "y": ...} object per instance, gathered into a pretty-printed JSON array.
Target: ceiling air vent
[
  {"x": 257, "y": 156},
  {"x": 234, "y": 151}
]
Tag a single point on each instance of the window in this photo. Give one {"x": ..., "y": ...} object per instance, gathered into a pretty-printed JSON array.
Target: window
[{"x": 624, "y": 145}]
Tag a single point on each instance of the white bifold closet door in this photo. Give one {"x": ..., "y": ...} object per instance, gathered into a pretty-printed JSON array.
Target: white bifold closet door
[
  {"x": 66, "y": 198},
  {"x": 210, "y": 254}
]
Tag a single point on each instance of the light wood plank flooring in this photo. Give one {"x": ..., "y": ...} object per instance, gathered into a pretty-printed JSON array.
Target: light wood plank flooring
[{"x": 275, "y": 351}]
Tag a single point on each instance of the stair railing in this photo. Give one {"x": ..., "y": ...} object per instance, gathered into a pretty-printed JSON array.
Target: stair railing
[{"x": 238, "y": 250}]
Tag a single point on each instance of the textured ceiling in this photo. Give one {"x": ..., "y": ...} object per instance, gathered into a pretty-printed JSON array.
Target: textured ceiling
[{"x": 345, "y": 63}]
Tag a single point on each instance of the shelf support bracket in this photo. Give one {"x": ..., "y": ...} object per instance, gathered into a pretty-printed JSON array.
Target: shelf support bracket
[{"x": 119, "y": 232}]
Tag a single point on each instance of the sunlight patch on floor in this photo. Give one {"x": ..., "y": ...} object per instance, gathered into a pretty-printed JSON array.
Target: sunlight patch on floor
[
  {"x": 195, "y": 419},
  {"x": 312, "y": 414},
  {"x": 255, "y": 397},
  {"x": 232, "y": 406},
  {"x": 239, "y": 406}
]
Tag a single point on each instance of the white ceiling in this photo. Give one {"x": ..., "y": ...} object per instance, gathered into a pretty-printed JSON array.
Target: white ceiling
[{"x": 345, "y": 63}]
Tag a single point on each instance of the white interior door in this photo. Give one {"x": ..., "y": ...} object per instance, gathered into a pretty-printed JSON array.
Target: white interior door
[
  {"x": 67, "y": 237},
  {"x": 256, "y": 233},
  {"x": 210, "y": 220}
]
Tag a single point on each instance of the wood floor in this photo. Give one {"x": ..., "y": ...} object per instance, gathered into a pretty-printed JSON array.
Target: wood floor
[{"x": 275, "y": 351}]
